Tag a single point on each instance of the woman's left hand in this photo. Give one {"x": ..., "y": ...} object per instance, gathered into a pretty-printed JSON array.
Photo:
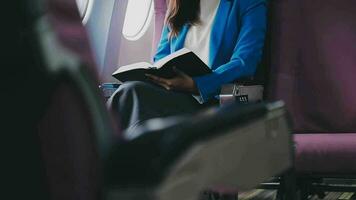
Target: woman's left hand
[{"x": 181, "y": 82}]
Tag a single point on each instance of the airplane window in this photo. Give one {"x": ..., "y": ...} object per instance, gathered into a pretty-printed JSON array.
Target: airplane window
[
  {"x": 138, "y": 17},
  {"x": 84, "y": 7}
]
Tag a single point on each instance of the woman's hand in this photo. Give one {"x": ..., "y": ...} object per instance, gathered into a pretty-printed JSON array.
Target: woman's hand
[{"x": 181, "y": 82}]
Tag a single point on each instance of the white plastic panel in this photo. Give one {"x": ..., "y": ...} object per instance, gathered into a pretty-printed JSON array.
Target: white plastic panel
[
  {"x": 82, "y": 6},
  {"x": 110, "y": 46},
  {"x": 85, "y": 8}
]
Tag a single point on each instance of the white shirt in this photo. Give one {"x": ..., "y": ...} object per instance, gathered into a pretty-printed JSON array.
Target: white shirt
[{"x": 198, "y": 36}]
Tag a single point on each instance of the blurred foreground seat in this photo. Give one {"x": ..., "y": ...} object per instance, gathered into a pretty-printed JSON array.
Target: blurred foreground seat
[{"x": 175, "y": 158}]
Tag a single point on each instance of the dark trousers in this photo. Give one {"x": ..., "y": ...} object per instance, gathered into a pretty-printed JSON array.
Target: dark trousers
[{"x": 136, "y": 101}]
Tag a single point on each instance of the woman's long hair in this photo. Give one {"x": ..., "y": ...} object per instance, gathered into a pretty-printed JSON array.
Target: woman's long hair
[{"x": 181, "y": 12}]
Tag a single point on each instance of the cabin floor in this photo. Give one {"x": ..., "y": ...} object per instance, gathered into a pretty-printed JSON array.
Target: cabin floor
[{"x": 260, "y": 194}]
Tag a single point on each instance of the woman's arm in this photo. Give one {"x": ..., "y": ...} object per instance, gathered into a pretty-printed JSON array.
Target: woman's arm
[
  {"x": 181, "y": 82},
  {"x": 246, "y": 56},
  {"x": 164, "y": 47}
]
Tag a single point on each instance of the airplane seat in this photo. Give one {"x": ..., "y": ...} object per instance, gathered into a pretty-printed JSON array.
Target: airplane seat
[
  {"x": 75, "y": 130},
  {"x": 69, "y": 132},
  {"x": 254, "y": 88},
  {"x": 313, "y": 67},
  {"x": 51, "y": 114}
]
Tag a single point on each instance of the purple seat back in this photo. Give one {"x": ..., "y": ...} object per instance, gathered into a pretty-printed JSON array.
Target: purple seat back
[
  {"x": 69, "y": 147},
  {"x": 314, "y": 63},
  {"x": 66, "y": 21},
  {"x": 76, "y": 129}
]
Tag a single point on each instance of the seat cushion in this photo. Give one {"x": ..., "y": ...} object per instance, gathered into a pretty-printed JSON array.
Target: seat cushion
[{"x": 326, "y": 153}]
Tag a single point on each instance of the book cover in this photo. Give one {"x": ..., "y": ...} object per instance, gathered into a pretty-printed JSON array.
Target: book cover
[{"x": 184, "y": 60}]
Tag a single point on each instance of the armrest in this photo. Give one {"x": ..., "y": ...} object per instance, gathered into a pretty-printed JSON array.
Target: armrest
[
  {"x": 241, "y": 93},
  {"x": 108, "y": 89},
  {"x": 212, "y": 147}
]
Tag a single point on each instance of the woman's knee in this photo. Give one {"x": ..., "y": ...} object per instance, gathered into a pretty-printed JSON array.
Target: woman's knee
[
  {"x": 133, "y": 86},
  {"x": 129, "y": 90}
]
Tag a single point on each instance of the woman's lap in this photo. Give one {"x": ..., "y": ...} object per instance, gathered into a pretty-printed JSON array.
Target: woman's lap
[{"x": 136, "y": 101}]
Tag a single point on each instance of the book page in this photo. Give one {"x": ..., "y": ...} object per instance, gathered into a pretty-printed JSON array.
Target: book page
[
  {"x": 164, "y": 60},
  {"x": 139, "y": 65}
]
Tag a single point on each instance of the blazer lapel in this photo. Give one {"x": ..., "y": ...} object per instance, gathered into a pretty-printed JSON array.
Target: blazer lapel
[{"x": 218, "y": 30}]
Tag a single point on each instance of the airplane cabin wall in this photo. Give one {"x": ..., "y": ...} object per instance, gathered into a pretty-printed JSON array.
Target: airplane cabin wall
[
  {"x": 98, "y": 26},
  {"x": 110, "y": 47},
  {"x": 139, "y": 50}
]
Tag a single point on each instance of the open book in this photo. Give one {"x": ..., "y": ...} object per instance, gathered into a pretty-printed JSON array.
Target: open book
[{"x": 184, "y": 60}]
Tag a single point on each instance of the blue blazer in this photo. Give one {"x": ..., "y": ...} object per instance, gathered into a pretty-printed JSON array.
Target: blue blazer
[{"x": 236, "y": 44}]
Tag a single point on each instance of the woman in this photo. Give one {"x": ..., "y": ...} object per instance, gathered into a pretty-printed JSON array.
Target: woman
[{"x": 228, "y": 35}]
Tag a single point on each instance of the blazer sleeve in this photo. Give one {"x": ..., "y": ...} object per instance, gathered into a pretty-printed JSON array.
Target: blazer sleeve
[
  {"x": 164, "y": 46},
  {"x": 246, "y": 55}
]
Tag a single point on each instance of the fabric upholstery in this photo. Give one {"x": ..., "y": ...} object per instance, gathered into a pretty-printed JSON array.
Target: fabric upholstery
[
  {"x": 326, "y": 153},
  {"x": 312, "y": 69},
  {"x": 69, "y": 147},
  {"x": 313, "y": 63},
  {"x": 70, "y": 130},
  {"x": 66, "y": 22}
]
